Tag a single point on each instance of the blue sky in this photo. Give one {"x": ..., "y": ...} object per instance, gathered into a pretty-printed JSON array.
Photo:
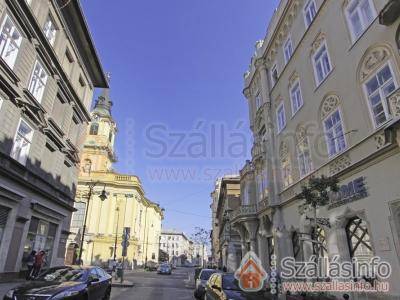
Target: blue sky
[{"x": 177, "y": 78}]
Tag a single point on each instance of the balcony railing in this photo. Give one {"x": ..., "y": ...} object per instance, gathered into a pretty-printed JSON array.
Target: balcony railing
[
  {"x": 263, "y": 204},
  {"x": 244, "y": 211},
  {"x": 394, "y": 103}
]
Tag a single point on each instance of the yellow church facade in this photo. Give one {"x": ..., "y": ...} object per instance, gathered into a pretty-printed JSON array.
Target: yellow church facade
[{"x": 125, "y": 205}]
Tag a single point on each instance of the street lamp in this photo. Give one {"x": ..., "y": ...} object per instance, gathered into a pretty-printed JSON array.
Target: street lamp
[
  {"x": 103, "y": 196},
  {"x": 116, "y": 236}
]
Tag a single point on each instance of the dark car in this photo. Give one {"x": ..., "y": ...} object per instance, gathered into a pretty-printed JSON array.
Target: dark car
[
  {"x": 164, "y": 269},
  {"x": 89, "y": 283},
  {"x": 201, "y": 277},
  {"x": 225, "y": 286}
]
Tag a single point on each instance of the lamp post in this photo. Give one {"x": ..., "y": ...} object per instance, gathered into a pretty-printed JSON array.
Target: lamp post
[
  {"x": 116, "y": 236},
  {"x": 102, "y": 197}
]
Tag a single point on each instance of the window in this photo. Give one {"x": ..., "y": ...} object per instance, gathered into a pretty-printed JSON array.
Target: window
[
  {"x": 359, "y": 240},
  {"x": 334, "y": 133},
  {"x": 320, "y": 247},
  {"x": 246, "y": 196},
  {"x": 50, "y": 30},
  {"x": 22, "y": 142},
  {"x": 258, "y": 101},
  {"x": 309, "y": 12},
  {"x": 274, "y": 75},
  {"x": 38, "y": 81},
  {"x": 288, "y": 50},
  {"x": 296, "y": 98},
  {"x": 79, "y": 215},
  {"x": 10, "y": 41},
  {"x": 378, "y": 88},
  {"x": 304, "y": 157},
  {"x": 322, "y": 64},
  {"x": 360, "y": 14},
  {"x": 94, "y": 129},
  {"x": 280, "y": 117}
]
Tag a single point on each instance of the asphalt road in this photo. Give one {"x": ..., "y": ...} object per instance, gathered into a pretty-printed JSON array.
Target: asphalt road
[{"x": 151, "y": 286}]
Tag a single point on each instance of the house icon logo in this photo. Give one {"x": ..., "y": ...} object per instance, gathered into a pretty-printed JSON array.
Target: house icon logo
[{"x": 251, "y": 274}]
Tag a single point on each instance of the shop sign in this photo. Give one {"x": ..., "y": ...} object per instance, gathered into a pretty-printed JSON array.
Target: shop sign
[{"x": 354, "y": 190}]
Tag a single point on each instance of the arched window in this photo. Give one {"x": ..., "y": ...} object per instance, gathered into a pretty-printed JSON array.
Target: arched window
[
  {"x": 319, "y": 245},
  {"x": 286, "y": 166},
  {"x": 296, "y": 246},
  {"x": 94, "y": 129},
  {"x": 358, "y": 239}
]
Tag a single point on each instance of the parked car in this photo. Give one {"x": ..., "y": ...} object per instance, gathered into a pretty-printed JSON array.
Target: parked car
[
  {"x": 201, "y": 276},
  {"x": 151, "y": 266},
  {"x": 164, "y": 269},
  {"x": 225, "y": 286},
  {"x": 91, "y": 283}
]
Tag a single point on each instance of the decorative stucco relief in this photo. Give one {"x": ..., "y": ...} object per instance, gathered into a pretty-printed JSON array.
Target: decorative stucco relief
[
  {"x": 372, "y": 60},
  {"x": 329, "y": 104},
  {"x": 339, "y": 164}
]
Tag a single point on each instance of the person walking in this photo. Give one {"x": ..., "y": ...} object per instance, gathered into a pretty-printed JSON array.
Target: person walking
[
  {"x": 30, "y": 260},
  {"x": 38, "y": 264}
]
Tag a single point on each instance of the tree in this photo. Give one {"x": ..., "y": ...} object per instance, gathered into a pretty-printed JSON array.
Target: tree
[
  {"x": 201, "y": 236},
  {"x": 316, "y": 193}
]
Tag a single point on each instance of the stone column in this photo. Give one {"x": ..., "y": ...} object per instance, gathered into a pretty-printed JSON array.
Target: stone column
[
  {"x": 242, "y": 232},
  {"x": 270, "y": 145},
  {"x": 252, "y": 227}
]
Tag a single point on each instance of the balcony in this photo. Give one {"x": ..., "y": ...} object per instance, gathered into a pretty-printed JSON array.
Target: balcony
[
  {"x": 257, "y": 151},
  {"x": 245, "y": 211}
]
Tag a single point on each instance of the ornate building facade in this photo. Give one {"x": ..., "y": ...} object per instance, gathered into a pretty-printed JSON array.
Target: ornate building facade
[
  {"x": 323, "y": 94},
  {"x": 48, "y": 71},
  {"x": 125, "y": 207}
]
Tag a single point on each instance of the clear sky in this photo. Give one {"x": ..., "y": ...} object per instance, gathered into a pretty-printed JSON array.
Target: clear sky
[{"x": 177, "y": 78}]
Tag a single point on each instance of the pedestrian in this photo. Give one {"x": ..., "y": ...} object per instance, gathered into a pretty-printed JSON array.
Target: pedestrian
[
  {"x": 29, "y": 263},
  {"x": 39, "y": 262}
]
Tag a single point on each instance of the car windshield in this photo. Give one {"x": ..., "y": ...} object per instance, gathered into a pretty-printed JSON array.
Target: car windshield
[
  {"x": 229, "y": 282},
  {"x": 61, "y": 275},
  {"x": 205, "y": 274}
]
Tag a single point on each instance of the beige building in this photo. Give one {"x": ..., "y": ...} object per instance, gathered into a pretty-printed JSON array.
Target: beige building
[
  {"x": 125, "y": 207},
  {"x": 323, "y": 94},
  {"x": 48, "y": 71},
  {"x": 225, "y": 239},
  {"x": 177, "y": 245}
]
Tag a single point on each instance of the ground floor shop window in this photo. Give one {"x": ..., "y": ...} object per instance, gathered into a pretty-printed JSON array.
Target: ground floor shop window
[
  {"x": 4, "y": 211},
  {"x": 319, "y": 246},
  {"x": 41, "y": 235},
  {"x": 359, "y": 240}
]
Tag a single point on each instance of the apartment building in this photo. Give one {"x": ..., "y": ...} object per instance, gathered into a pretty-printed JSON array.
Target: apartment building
[
  {"x": 323, "y": 94},
  {"x": 48, "y": 71},
  {"x": 226, "y": 242},
  {"x": 177, "y": 245}
]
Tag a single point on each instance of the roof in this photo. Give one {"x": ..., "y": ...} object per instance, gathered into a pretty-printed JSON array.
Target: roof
[{"x": 78, "y": 27}]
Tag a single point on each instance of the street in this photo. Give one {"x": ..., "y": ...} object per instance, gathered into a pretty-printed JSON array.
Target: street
[{"x": 152, "y": 286}]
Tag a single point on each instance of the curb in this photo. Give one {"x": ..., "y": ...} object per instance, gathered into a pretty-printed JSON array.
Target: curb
[{"x": 125, "y": 284}]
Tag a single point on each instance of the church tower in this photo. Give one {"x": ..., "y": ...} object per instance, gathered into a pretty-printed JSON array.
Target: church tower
[{"x": 98, "y": 153}]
